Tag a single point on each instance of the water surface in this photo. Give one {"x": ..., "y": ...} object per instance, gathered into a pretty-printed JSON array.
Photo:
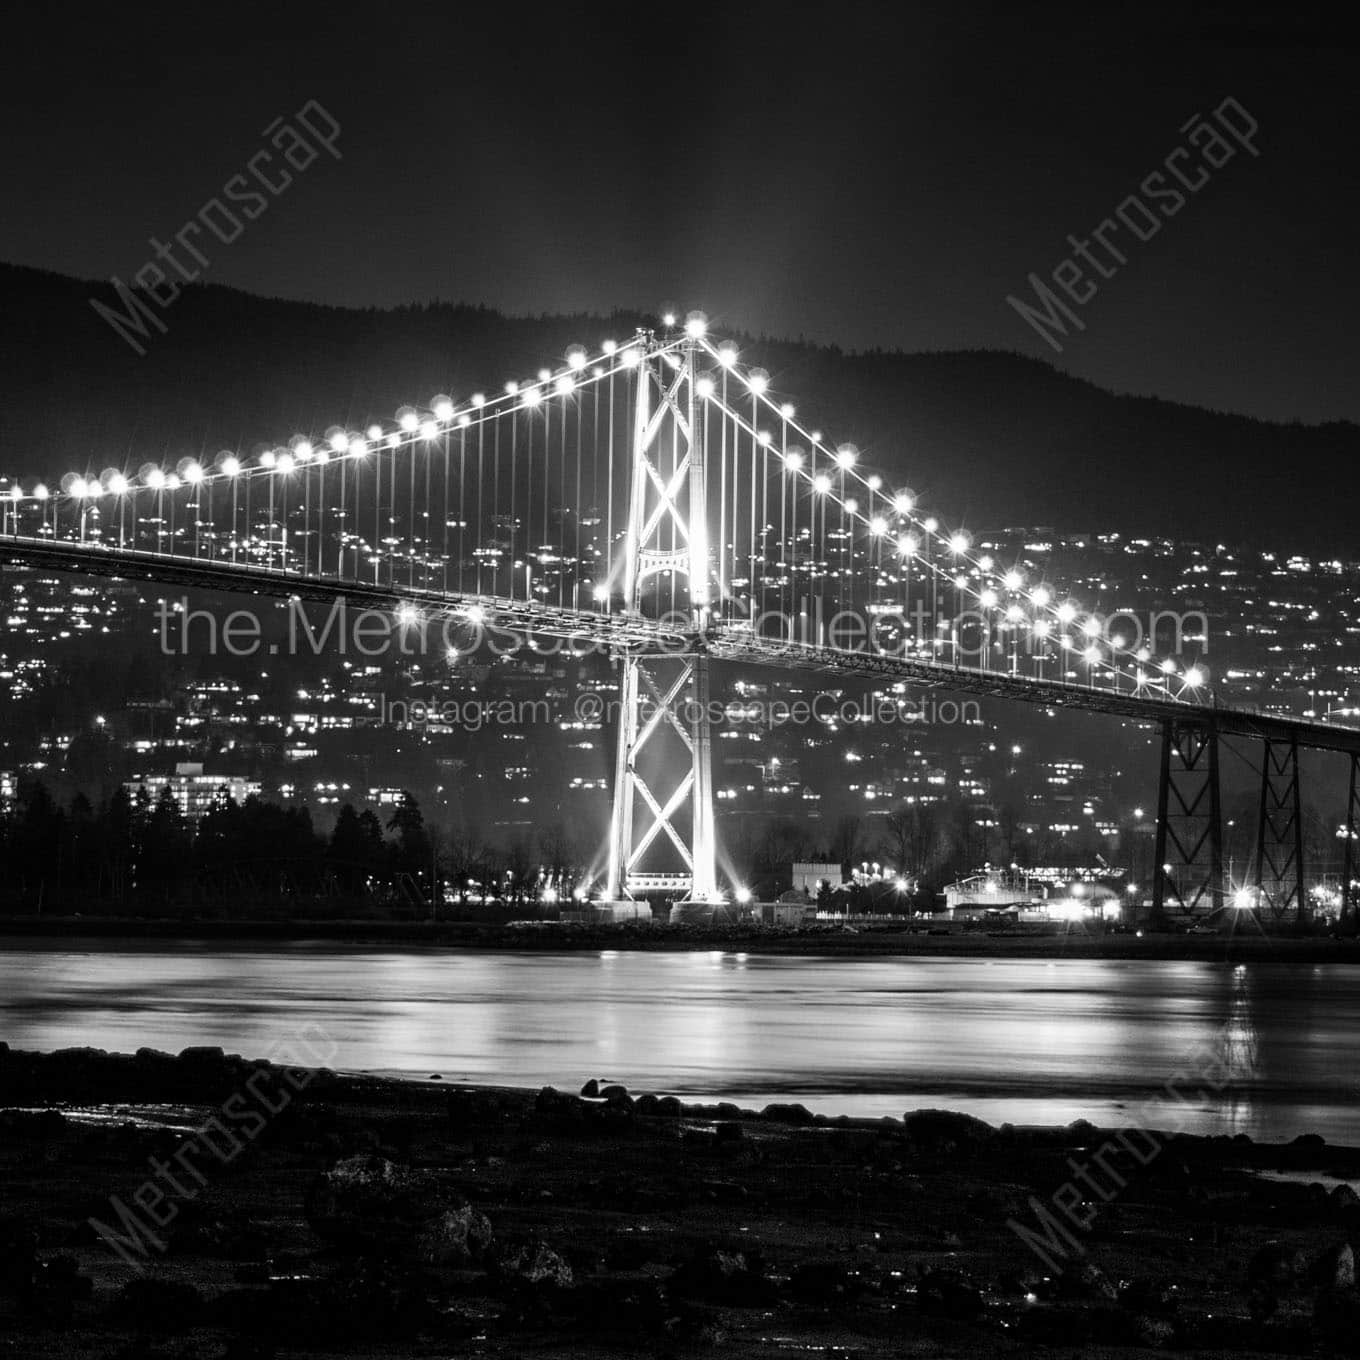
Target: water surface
[{"x": 1024, "y": 1040}]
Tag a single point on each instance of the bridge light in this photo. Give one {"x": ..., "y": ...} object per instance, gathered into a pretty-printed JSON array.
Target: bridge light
[
  {"x": 532, "y": 396},
  {"x": 743, "y": 895},
  {"x": 566, "y": 384},
  {"x": 407, "y": 614},
  {"x": 1067, "y": 611},
  {"x": 1042, "y": 627},
  {"x": 903, "y": 502},
  {"x": 908, "y": 545},
  {"x": 727, "y": 355},
  {"x": 765, "y": 438},
  {"x": 577, "y": 358},
  {"x": 758, "y": 381},
  {"x": 960, "y": 581},
  {"x": 1194, "y": 677},
  {"x": 1092, "y": 654},
  {"x": 846, "y": 455},
  {"x": 193, "y": 474},
  {"x": 172, "y": 482},
  {"x": 231, "y": 465},
  {"x": 851, "y": 505},
  {"x": 479, "y": 399},
  {"x": 284, "y": 463},
  {"x": 631, "y": 357},
  {"x": 545, "y": 375},
  {"x": 512, "y": 388},
  {"x": 464, "y": 421},
  {"x": 409, "y": 419},
  {"x": 1041, "y": 597},
  {"x": 393, "y": 440},
  {"x": 821, "y": 482},
  {"x": 786, "y": 411},
  {"x": 793, "y": 459},
  {"x": 1118, "y": 642},
  {"x": 268, "y": 458},
  {"x": 610, "y": 346},
  {"x": 1168, "y": 667},
  {"x": 429, "y": 431},
  {"x": 40, "y": 492},
  {"x": 704, "y": 387},
  {"x": 878, "y": 526},
  {"x": 696, "y": 325},
  {"x": 601, "y": 594},
  {"x": 959, "y": 543},
  {"x": 1091, "y": 628},
  {"x": 475, "y": 613},
  {"x": 1015, "y": 613},
  {"x": 79, "y": 489},
  {"x": 873, "y": 481},
  {"x": 323, "y": 455},
  {"x": 1013, "y": 580},
  {"x": 442, "y": 408},
  {"x": 155, "y": 479},
  {"x": 668, "y": 319},
  {"x": 988, "y": 598},
  {"x": 985, "y": 563}
]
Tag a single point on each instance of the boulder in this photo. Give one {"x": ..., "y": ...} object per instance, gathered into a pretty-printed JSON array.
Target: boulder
[
  {"x": 946, "y": 1130},
  {"x": 370, "y": 1204},
  {"x": 455, "y": 1237},
  {"x": 535, "y": 1263},
  {"x": 787, "y": 1114},
  {"x": 1334, "y": 1268}
]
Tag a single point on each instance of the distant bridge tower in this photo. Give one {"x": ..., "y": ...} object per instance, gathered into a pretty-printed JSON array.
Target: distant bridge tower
[{"x": 663, "y": 766}]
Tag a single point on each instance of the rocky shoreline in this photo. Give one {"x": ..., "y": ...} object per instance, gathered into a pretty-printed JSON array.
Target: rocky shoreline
[
  {"x": 875, "y": 939},
  {"x": 205, "y": 1205}
]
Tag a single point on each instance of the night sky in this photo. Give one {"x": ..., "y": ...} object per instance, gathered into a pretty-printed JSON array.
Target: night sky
[{"x": 866, "y": 175}]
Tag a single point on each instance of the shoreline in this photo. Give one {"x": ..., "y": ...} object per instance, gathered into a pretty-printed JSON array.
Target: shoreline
[
  {"x": 357, "y": 1215},
  {"x": 867, "y": 941}
]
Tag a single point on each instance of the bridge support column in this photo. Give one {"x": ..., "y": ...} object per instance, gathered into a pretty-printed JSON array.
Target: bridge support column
[
  {"x": 1279, "y": 832},
  {"x": 1188, "y": 875},
  {"x": 664, "y": 755}
]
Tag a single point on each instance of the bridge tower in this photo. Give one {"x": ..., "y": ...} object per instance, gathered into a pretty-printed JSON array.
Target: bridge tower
[{"x": 664, "y": 698}]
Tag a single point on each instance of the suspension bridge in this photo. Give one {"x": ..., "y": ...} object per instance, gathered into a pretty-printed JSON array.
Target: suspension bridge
[{"x": 658, "y": 500}]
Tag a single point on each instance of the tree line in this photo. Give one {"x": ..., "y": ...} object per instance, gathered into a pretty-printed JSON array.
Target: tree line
[{"x": 142, "y": 854}]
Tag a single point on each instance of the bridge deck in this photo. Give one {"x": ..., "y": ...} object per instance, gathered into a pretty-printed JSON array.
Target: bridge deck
[{"x": 618, "y": 631}]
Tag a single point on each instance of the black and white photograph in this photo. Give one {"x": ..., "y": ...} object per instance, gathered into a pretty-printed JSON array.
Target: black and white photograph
[{"x": 679, "y": 681}]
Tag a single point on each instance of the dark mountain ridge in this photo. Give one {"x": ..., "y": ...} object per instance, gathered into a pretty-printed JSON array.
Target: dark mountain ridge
[{"x": 985, "y": 437}]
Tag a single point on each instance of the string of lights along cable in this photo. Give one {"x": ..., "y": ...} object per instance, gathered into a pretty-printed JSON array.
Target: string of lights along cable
[{"x": 523, "y": 494}]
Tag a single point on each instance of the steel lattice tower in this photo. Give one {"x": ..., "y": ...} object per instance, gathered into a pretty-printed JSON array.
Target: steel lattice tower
[{"x": 667, "y": 533}]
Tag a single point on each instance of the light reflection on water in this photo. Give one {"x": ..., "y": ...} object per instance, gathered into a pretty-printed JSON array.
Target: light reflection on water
[{"x": 1024, "y": 1040}]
